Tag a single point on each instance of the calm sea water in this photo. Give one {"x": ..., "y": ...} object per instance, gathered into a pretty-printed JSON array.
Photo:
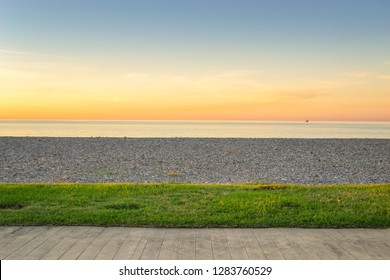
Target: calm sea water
[{"x": 223, "y": 129}]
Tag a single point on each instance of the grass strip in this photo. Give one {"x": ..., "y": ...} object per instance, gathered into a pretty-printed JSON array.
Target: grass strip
[{"x": 191, "y": 205}]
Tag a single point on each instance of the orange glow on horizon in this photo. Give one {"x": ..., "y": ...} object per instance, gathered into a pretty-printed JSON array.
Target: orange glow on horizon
[{"x": 70, "y": 92}]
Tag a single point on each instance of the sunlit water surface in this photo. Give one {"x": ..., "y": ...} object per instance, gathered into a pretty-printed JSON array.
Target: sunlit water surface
[{"x": 219, "y": 129}]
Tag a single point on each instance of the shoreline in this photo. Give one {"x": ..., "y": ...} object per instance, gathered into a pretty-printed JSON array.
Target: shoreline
[{"x": 194, "y": 160}]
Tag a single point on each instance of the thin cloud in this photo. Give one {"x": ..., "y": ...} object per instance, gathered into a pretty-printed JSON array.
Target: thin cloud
[
  {"x": 387, "y": 62},
  {"x": 45, "y": 70},
  {"x": 136, "y": 75},
  {"x": 20, "y": 53},
  {"x": 328, "y": 84},
  {"x": 12, "y": 52},
  {"x": 369, "y": 74},
  {"x": 360, "y": 74},
  {"x": 237, "y": 79},
  {"x": 154, "y": 78},
  {"x": 302, "y": 94},
  {"x": 237, "y": 74},
  {"x": 336, "y": 84}
]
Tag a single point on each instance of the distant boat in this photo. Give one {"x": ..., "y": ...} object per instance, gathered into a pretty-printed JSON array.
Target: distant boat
[{"x": 306, "y": 120}]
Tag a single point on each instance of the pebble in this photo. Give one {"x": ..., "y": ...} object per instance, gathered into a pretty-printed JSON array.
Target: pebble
[{"x": 194, "y": 160}]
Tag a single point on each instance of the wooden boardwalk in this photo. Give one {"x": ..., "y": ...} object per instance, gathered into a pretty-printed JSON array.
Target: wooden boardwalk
[{"x": 122, "y": 243}]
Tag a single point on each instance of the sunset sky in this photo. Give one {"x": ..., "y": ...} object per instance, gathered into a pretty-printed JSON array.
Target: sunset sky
[{"x": 195, "y": 59}]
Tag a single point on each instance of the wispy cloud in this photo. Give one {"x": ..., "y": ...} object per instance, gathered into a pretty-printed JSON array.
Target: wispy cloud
[
  {"x": 300, "y": 94},
  {"x": 4, "y": 51},
  {"x": 224, "y": 79},
  {"x": 17, "y": 64},
  {"x": 233, "y": 79},
  {"x": 21, "y": 53},
  {"x": 237, "y": 74},
  {"x": 136, "y": 75},
  {"x": 328, "y": 84},
  {"x": 368, "y": 75},
  {"x": 360, "y": 74},
  {"x": 44, "y": 70},
  {"x": 387, "y": 62}
]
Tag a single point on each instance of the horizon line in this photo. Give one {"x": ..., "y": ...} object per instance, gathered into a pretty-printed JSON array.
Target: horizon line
[{"x": 200, "y": 120}]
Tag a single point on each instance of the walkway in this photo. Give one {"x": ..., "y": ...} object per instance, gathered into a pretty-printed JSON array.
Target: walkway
[{"x": 89, "y": 243}]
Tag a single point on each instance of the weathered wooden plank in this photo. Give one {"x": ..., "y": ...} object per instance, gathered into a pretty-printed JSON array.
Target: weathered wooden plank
[
  {"x": 219, "y": 245},
  {"x": 81, "y": 244},
  {"x": 91, "y": 252},
  {"x": 28, "y": 247},
  {"x": 19, "y": 239},
  {"x": 267, "y": 244}
]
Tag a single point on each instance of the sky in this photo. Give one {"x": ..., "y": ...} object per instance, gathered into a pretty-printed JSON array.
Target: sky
[{"x": 195, "y": 60}]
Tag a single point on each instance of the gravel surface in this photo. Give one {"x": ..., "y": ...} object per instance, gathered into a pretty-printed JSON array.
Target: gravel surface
[{"x": 197, "y": 160}]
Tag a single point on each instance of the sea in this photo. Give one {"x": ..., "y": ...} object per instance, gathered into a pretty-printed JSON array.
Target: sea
[{"x": 197, "y": 129}]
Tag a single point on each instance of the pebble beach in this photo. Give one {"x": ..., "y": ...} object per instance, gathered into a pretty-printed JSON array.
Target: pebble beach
[{"x": 194, "y": 160}]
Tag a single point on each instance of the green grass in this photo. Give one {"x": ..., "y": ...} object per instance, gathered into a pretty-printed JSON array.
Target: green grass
[{"x": 184, "y": 205}]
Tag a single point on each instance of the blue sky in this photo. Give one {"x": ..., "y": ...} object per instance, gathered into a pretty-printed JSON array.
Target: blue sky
[{"x": 56, "y": 26}]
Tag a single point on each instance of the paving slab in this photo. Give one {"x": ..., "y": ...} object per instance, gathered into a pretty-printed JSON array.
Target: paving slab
[{"x": 123, "y": 243}]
